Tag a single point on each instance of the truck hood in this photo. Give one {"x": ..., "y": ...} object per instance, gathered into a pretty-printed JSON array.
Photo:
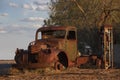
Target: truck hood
[
  {"x": 36, "y": 46},
  {"x": 51, "y": 43}
]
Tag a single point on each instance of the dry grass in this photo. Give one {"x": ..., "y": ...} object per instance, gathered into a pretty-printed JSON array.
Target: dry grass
[
  {"x": 9, "y": 73},
  {"x": 68, "y": 74}
]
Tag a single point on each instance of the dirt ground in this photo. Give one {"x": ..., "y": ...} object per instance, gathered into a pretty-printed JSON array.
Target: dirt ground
[
  {"x": 8, "y": 73},
  {"x": 81, "y": 74}
]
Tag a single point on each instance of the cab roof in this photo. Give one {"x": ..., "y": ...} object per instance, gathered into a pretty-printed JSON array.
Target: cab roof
[{"x": 44, "y": 28}]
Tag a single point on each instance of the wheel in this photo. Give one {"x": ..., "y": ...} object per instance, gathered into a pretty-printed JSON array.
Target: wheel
[{"x": 58, "y": 66}]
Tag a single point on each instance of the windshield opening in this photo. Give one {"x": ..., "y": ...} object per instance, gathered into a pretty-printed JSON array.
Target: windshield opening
[{"x": 53, "y": 34}]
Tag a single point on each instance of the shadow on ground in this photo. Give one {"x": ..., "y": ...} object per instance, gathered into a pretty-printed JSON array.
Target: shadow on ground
[{"x": 5, "y": 68}]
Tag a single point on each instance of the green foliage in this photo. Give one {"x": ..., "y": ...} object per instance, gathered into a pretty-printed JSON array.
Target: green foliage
[{"x": 96, "y": 13}]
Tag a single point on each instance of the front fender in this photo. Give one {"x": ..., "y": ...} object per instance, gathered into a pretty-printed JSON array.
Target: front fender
[{"x": 62, "y": 57}]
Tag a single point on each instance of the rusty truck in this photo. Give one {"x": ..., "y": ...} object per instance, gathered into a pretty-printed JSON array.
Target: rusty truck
[{"x": 54, "y": 46}]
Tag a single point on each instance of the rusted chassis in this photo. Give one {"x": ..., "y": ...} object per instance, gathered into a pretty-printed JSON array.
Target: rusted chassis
[
  {"x": 56, "y": 59},
  {"x": 44, "y": 58},
  {"x": 52, "y": 50}
]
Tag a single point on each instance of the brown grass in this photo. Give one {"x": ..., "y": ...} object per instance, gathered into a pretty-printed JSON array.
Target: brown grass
[{"x": 68, "y": 74}]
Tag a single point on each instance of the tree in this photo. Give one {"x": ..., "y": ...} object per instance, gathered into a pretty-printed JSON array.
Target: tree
[{"x": 86, "y": 15}]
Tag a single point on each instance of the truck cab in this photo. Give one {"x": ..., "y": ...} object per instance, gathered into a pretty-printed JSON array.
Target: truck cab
[
  {"x": 60, "y": 37},
  {"x": 53, "y": 46}
]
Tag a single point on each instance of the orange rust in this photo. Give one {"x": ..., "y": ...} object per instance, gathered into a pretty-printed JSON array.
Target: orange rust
[{"x": 57, "y": 48}]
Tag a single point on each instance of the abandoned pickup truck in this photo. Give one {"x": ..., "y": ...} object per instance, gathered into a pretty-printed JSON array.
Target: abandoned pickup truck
[{"x": 54, "y": 46}]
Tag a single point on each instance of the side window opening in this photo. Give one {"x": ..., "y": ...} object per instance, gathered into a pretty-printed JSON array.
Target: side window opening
[
  {"x": 71, "y": 35},
  {"x": 39, "y": 35}
]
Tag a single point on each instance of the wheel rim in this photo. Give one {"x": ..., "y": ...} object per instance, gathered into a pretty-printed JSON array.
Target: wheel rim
[{"x": 58, "y": 66}]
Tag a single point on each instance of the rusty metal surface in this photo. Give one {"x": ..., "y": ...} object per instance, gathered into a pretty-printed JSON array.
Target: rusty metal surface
[
  {"x": 48, "y": 51},
  {"x": 86, "y": 59},
  {"x": 52, "y": 50},
  {"x": 55, "y": 28}
]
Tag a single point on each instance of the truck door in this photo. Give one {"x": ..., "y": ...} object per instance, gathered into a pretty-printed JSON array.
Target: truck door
[{"x": 71, "y": 45}]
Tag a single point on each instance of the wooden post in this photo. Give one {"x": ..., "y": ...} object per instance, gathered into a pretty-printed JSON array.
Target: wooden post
[{"x": 108, "y": 46}]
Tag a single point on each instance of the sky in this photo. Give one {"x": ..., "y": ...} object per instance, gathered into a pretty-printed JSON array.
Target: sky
[{"x": 19, "y": 20}]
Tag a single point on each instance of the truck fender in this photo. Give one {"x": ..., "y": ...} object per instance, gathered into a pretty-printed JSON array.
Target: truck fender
[{"x": 62, "y": 59}]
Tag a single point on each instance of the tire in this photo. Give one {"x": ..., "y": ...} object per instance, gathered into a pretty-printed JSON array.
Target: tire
[{"x": 58, "y": 66}]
